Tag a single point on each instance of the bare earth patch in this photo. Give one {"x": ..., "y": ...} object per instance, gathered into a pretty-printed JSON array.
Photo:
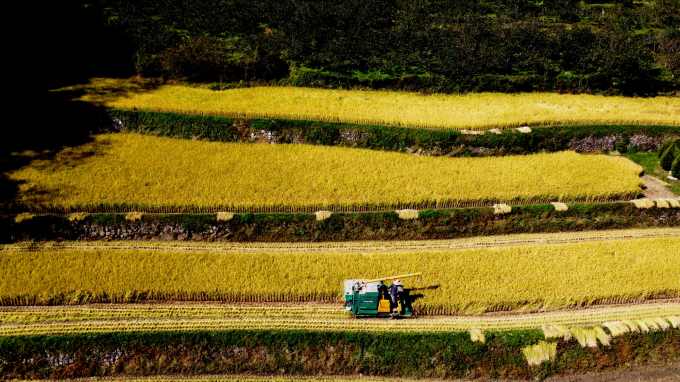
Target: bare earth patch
[
  {"x": 659, "y": 373},
  {"x": 656, "y": 188}
]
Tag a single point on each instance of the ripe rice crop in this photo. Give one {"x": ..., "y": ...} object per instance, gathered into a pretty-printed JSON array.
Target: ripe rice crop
[
  {"x": 326, "y": 317},
  {"x": 470, "y": 111},
  {"x": 469, "y": 280},
  {"x": 166, "y": 175}
]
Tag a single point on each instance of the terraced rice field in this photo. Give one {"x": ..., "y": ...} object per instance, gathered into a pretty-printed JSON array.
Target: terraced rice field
[
  {"x": 471, "y": 111},
  {"x": 128, "y": 171},
  {"x": 322, "y": 317},
  {"x": 550, "y": 276}
]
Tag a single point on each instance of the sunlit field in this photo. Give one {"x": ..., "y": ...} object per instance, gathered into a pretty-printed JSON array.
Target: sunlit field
[
  {"x": 470, "y": 111},
  {"x": 150, "y": 171}
]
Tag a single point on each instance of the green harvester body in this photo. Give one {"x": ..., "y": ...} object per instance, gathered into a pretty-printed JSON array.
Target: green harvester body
[{"x": 372, "y": 298}]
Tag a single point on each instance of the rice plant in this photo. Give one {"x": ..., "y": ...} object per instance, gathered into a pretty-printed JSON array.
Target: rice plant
[
  {"x": 470, "y": 111},
  {"x": 549, "y": 276},
  {"x": 165, "y": 175}
]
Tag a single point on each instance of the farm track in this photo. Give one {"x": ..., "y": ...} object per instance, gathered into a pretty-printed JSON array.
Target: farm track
[
  {"x": 101, "y": 318},
  {"x": 474, "y": 242}
]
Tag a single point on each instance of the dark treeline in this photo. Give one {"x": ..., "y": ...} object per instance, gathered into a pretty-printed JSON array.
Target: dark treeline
[{"x": 621, "y": 47}]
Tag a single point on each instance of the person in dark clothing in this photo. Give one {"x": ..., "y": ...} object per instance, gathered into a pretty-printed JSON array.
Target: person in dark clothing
[{"x": 396, "y": 295}]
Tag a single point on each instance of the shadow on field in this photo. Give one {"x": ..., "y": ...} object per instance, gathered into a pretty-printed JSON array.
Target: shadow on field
[
  {"x": 55, "y": 123},
  {"x": 414, "y": 294},
  {"x": 67, "y": 44},
  {"x": 61, "y": 43}
]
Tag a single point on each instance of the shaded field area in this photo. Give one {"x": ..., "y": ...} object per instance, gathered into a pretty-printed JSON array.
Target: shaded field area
[
  {"x": 145, "y": 172},
  {"x": 106, "y": 318},
  {"x": 524, "y": 277},
  {"x": 471, "y": 111}
]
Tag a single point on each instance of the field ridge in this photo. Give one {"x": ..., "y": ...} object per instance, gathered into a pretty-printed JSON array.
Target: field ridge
[{"x": 348, "y": 246}]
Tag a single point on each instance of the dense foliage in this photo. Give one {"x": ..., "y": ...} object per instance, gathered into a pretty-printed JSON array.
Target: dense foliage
[
  {"x": 270, "y": 352},
  {"x": 445, "y": 45},
  {"x": 668, "y": 153},
  {"x": 392, "y": 138}
]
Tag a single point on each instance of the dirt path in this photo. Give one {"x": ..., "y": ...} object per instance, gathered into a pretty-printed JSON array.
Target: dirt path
[
  {"x": 645, "y": 373},
  {"x": 658, "y": 373},
  {"x": 655, "y": 188}
]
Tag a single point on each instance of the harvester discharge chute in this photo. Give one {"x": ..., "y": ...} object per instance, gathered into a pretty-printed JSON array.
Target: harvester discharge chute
[{"x": 373, "y": 297}]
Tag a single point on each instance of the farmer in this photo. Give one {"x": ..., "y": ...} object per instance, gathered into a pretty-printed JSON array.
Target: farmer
[{"x": 396, "y": 295}]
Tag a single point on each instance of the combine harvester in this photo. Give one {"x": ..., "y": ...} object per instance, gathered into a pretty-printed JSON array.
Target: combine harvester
[{"x": 372, "y": 298}]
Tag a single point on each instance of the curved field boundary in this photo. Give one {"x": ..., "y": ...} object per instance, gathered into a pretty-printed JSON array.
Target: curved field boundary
[
  {"x": 474, "y": 242},
  {"x": 309, "y": 209},
  {"x": 470, "y": 111},
  {"x": 123, "y": 172},
  {"x": 317, "y": 318}
]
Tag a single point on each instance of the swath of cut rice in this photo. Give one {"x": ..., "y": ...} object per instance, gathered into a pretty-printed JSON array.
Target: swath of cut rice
[
  {"x": 643, "y": 203},
  {"x": 500, "y": 209},
  {"x": 24, "y": 216},
  {"x": 476, "y": 335},
  {"x": 554, "y": 331},
  {"x": 524, "y": 129},
  {"x": 632, "y": 325},
  {"x": 651, "y": 324},
  {"x": 542, "y": 351},
  {"x": 585, "y": 337},
  {"x": 134, "y": 216},
  {"x": 604, "y": 338},
  {"x": 560, "y": 206},
  {"x": 617, "y": 328},
  {"x": 407, "y": 214},
  {"x": 661, "y": 323},
  {"x": 675, "y": 203},
  {"x": 662, "y": 203},
  {"x": 642, "y": 325},
  {"x": 224, "y": 216},
  {"x": 77, "y": 216},
  {"x": 674, "y": 320},
  {"x": 322, "y": 215}
]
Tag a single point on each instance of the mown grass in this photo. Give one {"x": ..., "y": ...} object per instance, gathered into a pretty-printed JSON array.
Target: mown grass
[
  {"x": 465, "y": 280},
  {"x": 470, "y": 111},
  {"x": 152, "y": 171}
]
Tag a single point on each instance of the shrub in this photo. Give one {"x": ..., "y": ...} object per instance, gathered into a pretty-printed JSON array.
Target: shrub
[
  {"x": 675, "y": 169},
  {"x": 664, "y": 146},
  {"x": 669, "y": 156}
]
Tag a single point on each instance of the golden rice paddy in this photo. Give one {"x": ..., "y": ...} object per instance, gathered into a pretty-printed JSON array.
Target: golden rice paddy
[
  {"x": 469, "y": 111},
  {"x": 150, "y": 172},
  {"x": 465, "y": 280}
]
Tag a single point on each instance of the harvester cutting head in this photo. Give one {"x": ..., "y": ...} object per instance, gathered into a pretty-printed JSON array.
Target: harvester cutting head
[{"x": 372, "y": 297}]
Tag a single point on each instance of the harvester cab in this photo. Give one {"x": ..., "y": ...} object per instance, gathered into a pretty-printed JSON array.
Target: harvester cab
[{"x": 372, "y": 297}]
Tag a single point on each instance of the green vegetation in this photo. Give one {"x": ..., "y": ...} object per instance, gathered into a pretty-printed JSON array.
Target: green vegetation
[
  {"x": 650, "y": 162},
  {"x": 289, "y": 227},
  {"x": 434, "y": 355},
  {"x": 438, "y": 46},
  {"x": 390, "y": 138}
]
